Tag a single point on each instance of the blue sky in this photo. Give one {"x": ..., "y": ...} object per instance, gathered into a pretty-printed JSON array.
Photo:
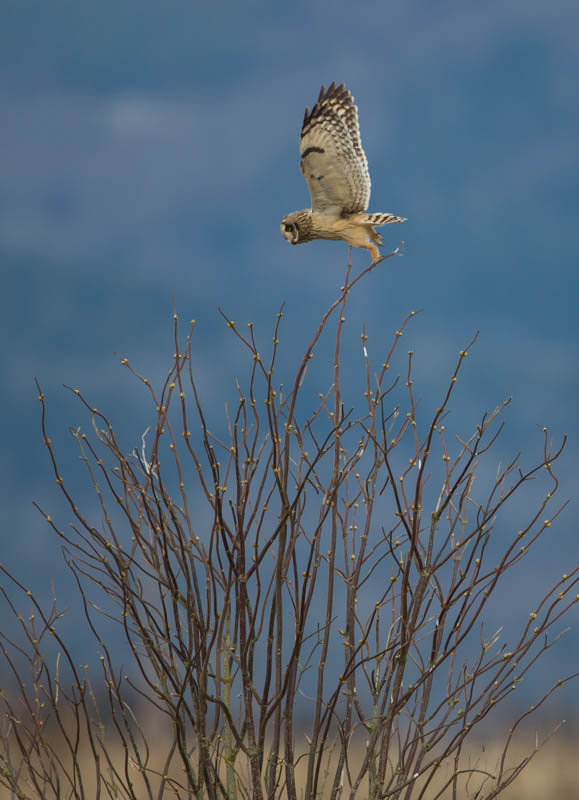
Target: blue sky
[{"x": 150, "y": 149}]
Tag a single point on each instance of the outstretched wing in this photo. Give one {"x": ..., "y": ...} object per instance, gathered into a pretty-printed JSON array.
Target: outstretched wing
[{"x": 332, "y": 159}]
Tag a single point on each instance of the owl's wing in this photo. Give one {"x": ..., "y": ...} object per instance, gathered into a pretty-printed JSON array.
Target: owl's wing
[{"x": 333, "y": 161}]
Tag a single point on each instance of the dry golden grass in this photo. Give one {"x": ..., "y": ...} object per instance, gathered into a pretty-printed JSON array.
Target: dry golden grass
[{"x": 553, "y": 773}]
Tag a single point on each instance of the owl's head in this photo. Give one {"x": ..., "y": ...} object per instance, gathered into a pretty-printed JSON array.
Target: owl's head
[{"x": 297, "y": 227}]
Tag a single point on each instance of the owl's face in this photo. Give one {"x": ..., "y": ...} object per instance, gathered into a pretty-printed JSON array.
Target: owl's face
[{"x": 297, "y": 227}]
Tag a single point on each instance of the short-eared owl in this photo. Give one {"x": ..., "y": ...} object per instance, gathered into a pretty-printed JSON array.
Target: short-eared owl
[{"x": 336, "y": 171}]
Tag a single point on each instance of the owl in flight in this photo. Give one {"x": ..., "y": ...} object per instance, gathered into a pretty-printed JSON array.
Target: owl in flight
[{"x": 336, "y": 171}]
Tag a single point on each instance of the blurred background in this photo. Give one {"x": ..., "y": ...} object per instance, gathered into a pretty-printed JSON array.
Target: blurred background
[{"x": 149, "y": 150}]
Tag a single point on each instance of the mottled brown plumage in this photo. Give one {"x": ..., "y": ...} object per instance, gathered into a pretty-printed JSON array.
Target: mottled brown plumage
[{"x": 334, "y": 165}]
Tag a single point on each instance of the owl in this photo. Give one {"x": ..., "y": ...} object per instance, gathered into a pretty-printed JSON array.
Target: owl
[{"x": 334, "y": 165}]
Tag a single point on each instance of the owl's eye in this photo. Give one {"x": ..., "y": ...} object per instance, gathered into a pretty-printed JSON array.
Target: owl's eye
[{"x": 290, "y": 231}]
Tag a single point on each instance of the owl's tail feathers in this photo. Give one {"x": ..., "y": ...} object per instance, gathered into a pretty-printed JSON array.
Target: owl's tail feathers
[
  {"x": 378, "y": 219},
  {"x": 381, "y": 219}
]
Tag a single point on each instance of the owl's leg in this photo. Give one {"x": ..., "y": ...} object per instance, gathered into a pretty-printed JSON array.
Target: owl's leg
[
  {"x": 373, "y": 239},
  {"x": 375, "y": 236},
  {"x": 374, "y": 252}
]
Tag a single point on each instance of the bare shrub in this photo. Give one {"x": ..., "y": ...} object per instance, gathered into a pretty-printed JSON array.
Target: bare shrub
[{"x": 305, "y": 586}]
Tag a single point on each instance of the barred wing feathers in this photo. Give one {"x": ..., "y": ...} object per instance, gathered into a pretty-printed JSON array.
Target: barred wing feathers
[{"x": 333, "y": 161}]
